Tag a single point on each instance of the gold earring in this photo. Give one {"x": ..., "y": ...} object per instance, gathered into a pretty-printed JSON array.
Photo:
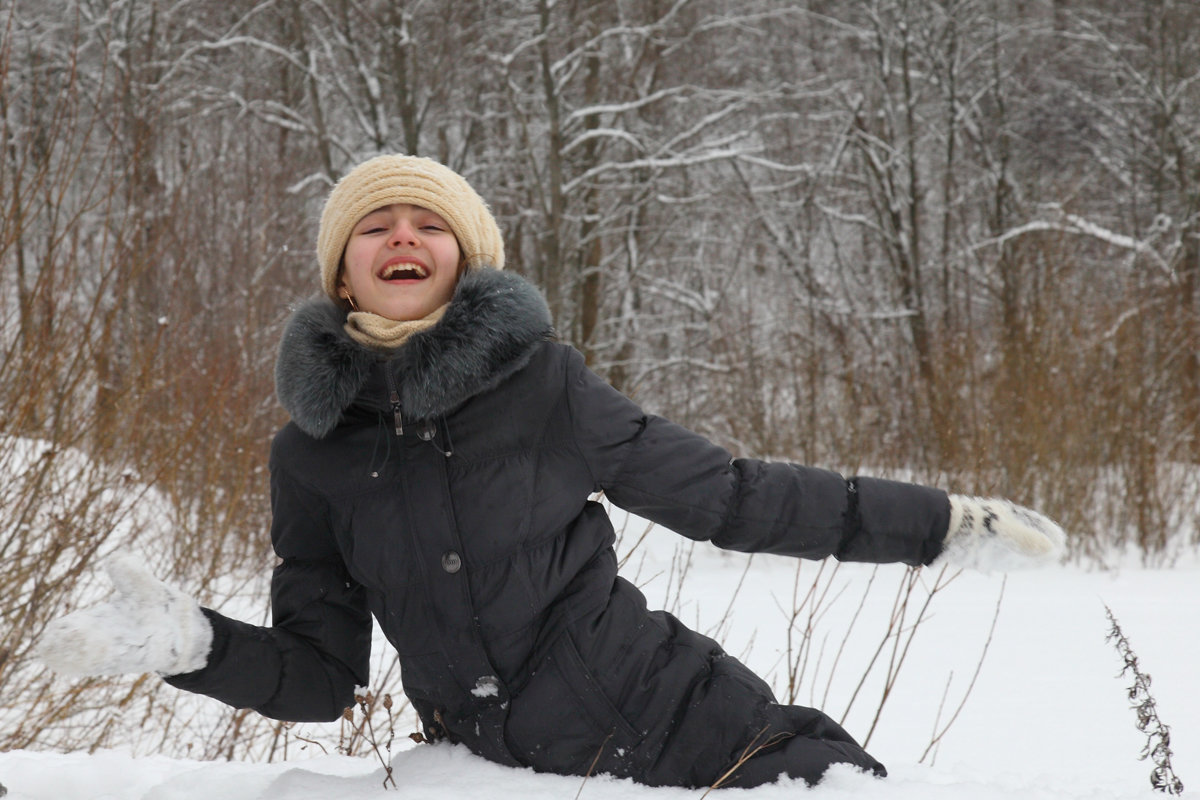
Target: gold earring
[{"x": 350, "y": 299}]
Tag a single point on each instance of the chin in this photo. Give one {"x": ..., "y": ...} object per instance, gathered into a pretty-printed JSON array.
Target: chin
[{"x": 405, "y": 314}]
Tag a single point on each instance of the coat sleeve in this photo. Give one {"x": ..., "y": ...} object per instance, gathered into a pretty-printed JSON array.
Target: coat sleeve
[
  {"x": 306, "y": 665},
  {"x": 663, "y": 472}
]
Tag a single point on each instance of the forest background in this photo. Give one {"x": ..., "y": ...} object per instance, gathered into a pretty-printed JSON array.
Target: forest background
[{"x": 954, "y": 241}]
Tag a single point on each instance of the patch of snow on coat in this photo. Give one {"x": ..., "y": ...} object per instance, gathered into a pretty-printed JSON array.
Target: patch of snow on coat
[{"x": 487, "y": 686}]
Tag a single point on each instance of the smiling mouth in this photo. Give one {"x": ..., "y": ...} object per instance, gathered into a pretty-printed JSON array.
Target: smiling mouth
[{"x": 404, "y": 272}]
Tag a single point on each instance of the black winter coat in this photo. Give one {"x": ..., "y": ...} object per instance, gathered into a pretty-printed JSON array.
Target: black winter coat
[{"x": 446, "y": 491}]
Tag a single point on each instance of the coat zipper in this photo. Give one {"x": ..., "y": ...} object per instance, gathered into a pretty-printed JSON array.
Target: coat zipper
[{"x": 394, "y": 400}]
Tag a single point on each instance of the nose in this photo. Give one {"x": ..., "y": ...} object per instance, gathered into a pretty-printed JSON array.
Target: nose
[{"x": 404, "y": 234}]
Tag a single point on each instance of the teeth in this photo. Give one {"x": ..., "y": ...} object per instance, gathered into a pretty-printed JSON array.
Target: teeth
[{"x": 404, "y": 271}]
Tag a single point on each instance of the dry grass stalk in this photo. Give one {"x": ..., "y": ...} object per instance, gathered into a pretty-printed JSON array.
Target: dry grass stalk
[
  {"x": 752, "y": 749},
  {"x": 1158, "y": 735}
]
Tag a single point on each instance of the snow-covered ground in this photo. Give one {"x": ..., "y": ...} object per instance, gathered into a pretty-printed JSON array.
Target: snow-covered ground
[{"x": 1047, "y": 717}]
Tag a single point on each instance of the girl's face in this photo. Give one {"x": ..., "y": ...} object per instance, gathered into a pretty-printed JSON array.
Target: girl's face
[{"x": 401, "y": 262}]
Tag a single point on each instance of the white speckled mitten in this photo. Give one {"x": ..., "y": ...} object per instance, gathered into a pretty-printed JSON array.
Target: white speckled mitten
[
  {"x": 147, "y": 626},
  {"x": 996, "y": 534}
]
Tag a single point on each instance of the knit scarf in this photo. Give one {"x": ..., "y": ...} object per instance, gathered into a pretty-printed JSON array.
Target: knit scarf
[{"x": 380, "y": 333}]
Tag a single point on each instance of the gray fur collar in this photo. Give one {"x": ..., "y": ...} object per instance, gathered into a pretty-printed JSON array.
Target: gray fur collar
[{"x": 489, "y": 331}]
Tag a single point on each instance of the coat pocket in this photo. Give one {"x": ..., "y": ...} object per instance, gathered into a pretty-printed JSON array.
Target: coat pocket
[{"x": 562, "y": 721}]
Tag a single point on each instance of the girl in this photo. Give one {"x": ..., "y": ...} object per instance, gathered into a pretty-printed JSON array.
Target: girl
[{"x": 437, "y": 474}]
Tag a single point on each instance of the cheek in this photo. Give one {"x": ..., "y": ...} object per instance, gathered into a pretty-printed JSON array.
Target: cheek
[
  {"x": 354, "y": 252},
  {"x": 356, "y": 259},
  {"x": 450, "y": 253}
]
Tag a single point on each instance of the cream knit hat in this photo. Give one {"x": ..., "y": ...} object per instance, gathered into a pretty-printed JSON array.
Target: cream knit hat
[{"x": 388, "y": 179}]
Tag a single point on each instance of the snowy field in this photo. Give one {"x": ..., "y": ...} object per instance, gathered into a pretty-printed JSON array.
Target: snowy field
[{"x": 1047, "y": 716}]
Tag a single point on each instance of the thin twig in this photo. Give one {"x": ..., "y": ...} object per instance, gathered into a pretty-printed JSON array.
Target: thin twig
[
  {"x": 592, "y": 766},
  {"x": 970, "y": 686},
  {"x": 751, "y": 750}
]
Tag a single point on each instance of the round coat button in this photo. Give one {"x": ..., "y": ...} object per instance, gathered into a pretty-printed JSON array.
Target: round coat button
[{"x": 451, "y": 561}]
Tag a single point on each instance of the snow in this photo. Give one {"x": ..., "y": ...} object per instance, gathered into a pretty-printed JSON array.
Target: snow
[
  {"x": 1047, "y": 717},
  {"x": 486, "y": 686}
]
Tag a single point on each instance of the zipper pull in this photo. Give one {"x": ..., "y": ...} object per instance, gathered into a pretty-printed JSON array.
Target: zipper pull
[
  {"x": 394, "y": 399},
  {"x": 396, "y": 415}
]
